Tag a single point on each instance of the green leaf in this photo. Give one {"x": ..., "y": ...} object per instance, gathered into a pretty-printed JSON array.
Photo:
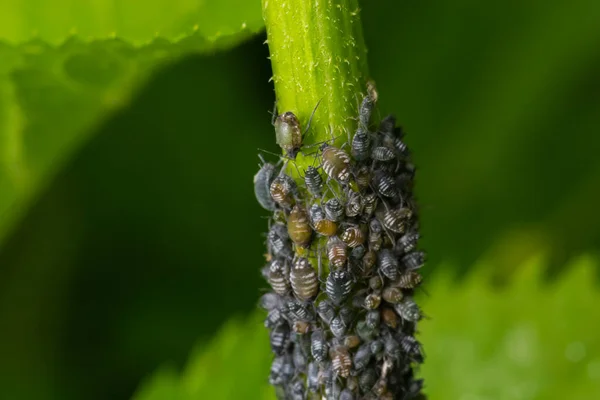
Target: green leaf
[
  {"x": 528, "y": 340},
  {"x": 52, "y": 99},
  {"x": 135, "y": 21},
  {"x": 235, "y": 365}
]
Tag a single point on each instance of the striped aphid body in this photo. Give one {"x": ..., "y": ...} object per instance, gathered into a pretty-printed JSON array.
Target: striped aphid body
[
  {"x": 299, "y": 229},
  {"x": 313, "y": 181},
  {"x": 303, "y": 278},
  {"x": 343, "y": 264},
  {"x": 336, "y": 252},
  {"x": 336, "y": 163}
]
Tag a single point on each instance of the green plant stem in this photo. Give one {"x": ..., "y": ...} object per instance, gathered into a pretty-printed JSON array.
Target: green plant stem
[{"x": 318, "y": 54}]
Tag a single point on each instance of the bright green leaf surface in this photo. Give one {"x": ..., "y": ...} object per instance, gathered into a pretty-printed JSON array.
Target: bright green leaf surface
[
  {"x": 234, "y": 366},
  {"x": 528, "y": 340},
  {"x": 135, "y": 21},
  {"x": 53, "y": 98}
]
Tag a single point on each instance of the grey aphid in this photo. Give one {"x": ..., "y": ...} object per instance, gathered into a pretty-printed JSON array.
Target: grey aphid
[
  {"x": 412, "y": 348},
  {"x": 297, "y": 390},
  {"x": 318, "y": 346},
  {"x": 367, "y": 379},
  {"x": 392, "y": 348},
  {"x": 280, "y": 339},
  {"x": 414, "y": 260},
  {"x": 313, "y": 376},
  {"x": 262, "y": 183},
  {"x": 408, "y": 310},
  {"x": 313, "y": 181},
  {"x": 337, "y": 326},
  {"x": 333, "y": 389},
  {"x": 363, "y": 331},
  {"x": 383, "y": 154},
  {"x": 274, "y": 317},
  {"x": 278, "y": 241},
  {"x": 298, "y": 311},
  {"x": 326, "y": 311},
  {"x": 275, "y": 377},
  {"x": 387, "y": 124},
  {"x": 361, "y": 142},
  {"x": 369, "y": 202},
  {"x": 407, "y": 242},
  {"x": 377, "y": 348},
  {"x": 269, "y": 301},
  {"x": 385, "y": 185},
  {"x": 362, "y": 357},
  {"x": 299, "y": 358},
  {"x": 339, "y": 285},
  {"x": 388, "y": 264},
  {"x": 347, "y": 394},
  {"x": 334, "y": 210},
  {"x": 373, "y": 319},
  {"x": 365, "y": 110}
]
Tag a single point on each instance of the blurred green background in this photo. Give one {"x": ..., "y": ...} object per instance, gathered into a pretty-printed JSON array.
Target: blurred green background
[{"x": 147, "y": 239}]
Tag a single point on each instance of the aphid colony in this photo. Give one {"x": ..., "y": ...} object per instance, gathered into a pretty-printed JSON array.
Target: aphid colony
[{"x": 343, "y": 265}]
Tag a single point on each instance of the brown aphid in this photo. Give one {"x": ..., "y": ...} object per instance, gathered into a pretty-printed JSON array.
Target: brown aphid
[
  {"x": 393, "y": 219},
  {"x": 392, "y": 295},
  {"x": 353, "y": 236},
  {"x": 298, "y": 226},
  {"x": 351, "y": 384},
  {"x": 351, "y": 341},
  {"x": 389, "y": 317},
  {"x": 283, "y": 189},
  {"x": 369, "y": 202},
  {"x": 336, "y": 163},
  {"x": 336, "y": 252},
  {"x": 278, "y": 277},
  {"x": 375, "y": 282},
  {"x": 408, "y": 280},
  {"x": 363, "y": 177},
  {"x": 303, "y": 278},
  {"x": 372, "y": 301},
  {"x": 353, "y": 204},
  {"x": 380, "y": 387},
  {"x": 341, "y": 361},
  {"x": 375, "y": 235},
  {"x": 301, "y": 327},
  {"x": 369, "y": 260},
  {"x": 326, "y": 227},
  {"x": 387, "y": 395}
]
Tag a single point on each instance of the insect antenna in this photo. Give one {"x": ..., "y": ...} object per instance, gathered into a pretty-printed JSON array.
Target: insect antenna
[{"x": 311, "y": 116}]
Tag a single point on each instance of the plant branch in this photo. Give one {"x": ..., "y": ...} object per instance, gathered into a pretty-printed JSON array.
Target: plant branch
[{"x": 318, "y": 54}]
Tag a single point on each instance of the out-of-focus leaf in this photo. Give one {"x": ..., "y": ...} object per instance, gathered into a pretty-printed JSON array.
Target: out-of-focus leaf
[
  {"x": 235, "y": 365},
  {"x": 500, "y": 104},
  {"x": 53, "y": 98},
  {"x": 527, "y": 340},
  {"x": 136, "y": 21}
]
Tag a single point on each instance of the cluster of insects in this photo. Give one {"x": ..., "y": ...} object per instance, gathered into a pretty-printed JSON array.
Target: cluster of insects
[{"x": 342, "y": 263}]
